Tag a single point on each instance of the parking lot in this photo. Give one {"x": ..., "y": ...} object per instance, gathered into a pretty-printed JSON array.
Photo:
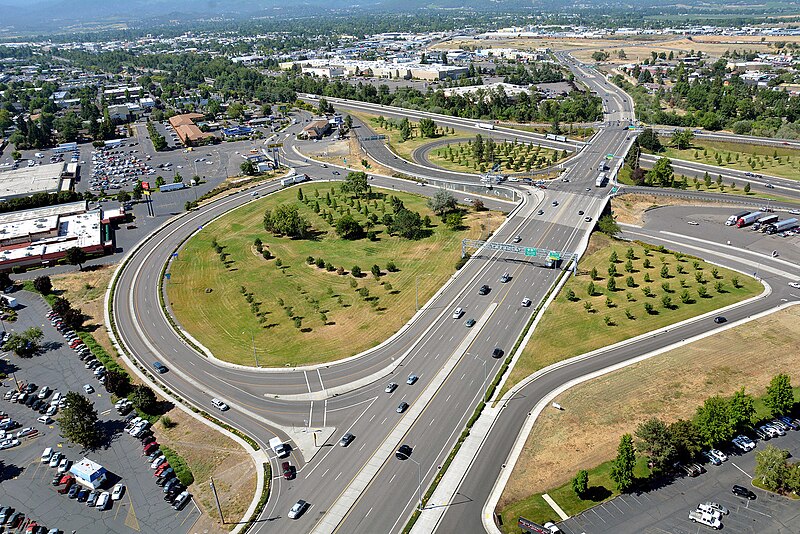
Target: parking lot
[
  {"x": 665, "y": 509},
  {"x": 27, "y": 482}
]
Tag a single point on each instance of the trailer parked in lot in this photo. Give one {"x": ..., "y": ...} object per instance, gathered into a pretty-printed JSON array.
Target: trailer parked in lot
[
  {"x": 735, "y": 217},
  {"x": 749, "y": 219},
  {"x": 764, "y": 221},
  {"x": 782, "y": 226},
  {"x": 172, "y": 187}
]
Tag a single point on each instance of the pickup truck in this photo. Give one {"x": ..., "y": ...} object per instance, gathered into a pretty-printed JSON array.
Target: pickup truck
[
  {"x": 705, "y": 519},
  {"x": 279, "y": 447}
]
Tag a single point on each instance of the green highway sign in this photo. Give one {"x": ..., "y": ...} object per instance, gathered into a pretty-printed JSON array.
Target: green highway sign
[
  {"x": 275, "y": 145},
  {"x": 530, "y": 251},
  {"x": 554, "y": 255}
]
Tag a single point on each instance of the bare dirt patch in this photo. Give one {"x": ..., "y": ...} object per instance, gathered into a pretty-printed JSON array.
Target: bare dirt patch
[
  {"x": 669, "y": 386},
  {"x": 348, "y": 153},
  {"x": 630, "y": 208}
]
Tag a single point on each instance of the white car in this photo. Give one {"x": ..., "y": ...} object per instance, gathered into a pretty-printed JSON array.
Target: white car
[
  {"x": 102, "y": 500},
  {"x": 27, "y": 431},
  {"x": 64, "y": 465},
  {"x": 458, "y": 312},
  {"x": 795, "y": 285},
  {"x": 719, "y": 455},
  {"x": 88, "y": 389},
  {"x": 526, "y": 302},
  {"x": 48, "y": 452},
  {"x": 744, "y": 443},
  {"x": 55, "y": 459},
  {"x": 714, "y": 506},
  {"x": 117, "y": 491},
  {"x": 693, "y": 223},
  {"x": 706, "y": 508},
  {"x": 8, "y": 443}
]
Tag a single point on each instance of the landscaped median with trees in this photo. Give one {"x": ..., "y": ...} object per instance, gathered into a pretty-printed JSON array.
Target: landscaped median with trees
[
  {"x": 622, "y": 290},
  {"x": 658, "y": 411},
  {"x": 484, "y": 154},
  {"x": 319, "y": 272}
]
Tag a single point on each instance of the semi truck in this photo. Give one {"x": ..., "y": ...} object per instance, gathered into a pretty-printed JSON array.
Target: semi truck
[
  {"x": 172, "y": 187},
  {"x": 763, "y": 221},
  {"x": 279, "y": 447},
  {"x": 601, "y": 179},
  {"x": 735, "y": 217},
  {"x": 296, "y": 179},
  {"x": 484, "y": 125},
  {"x": 749, "y": 219},
  {"x": 782, "y": 226},
  {"x": 553, "y": 137}
]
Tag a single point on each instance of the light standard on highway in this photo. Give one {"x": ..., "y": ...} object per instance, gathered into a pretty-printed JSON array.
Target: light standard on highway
[{"x": 419, "y": 475}]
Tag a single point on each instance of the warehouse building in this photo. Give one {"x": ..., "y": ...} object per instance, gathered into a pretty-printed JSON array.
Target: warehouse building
[{"x": 26, "y": 181}]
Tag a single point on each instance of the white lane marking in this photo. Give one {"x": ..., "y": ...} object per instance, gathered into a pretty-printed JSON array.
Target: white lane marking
[
  {"x": 742, "y": 470},
  {"x": 325, "y": 473},
  {"x": 431, "y": 423},
  {"x": 310, "y": 414},
  {"x": 337, "y": 477},
  {"x": 325, "y": 413},
  {"x": 305, "y": 374},
  {"x": 368, "y": 511},
  {"x": 321, "y": 385},
  {"x": 392, "y": 479},
  {"x": 384, "y": 420}
]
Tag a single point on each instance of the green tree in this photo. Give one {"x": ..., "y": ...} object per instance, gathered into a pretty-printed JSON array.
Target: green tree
[
  {"x": 407, "y": 224},
  {"x": 608, "y": 225},
  {"x": 649, "y": 140},
  {"x": 771, "y": 468},
  {"x": 117, "y": 383},
  {"x": 75, "y": 256},
  {"x": 427, "y": 127},
  {"x": 78, "y": 421},
  {"x": 453, "y": 220},
  {"x": 43, "y": 285},
  {"x": 26, "y": 343},
  {"x": 355, "y": 271},
  {"x": 623, "y": 465},
  {"x": 580, "y": 484},
  {"x": 686, "y": 439},
  {"x": 347, "y": 227},
  {"x": 741, "y": 411},
  {"x": 285, "y": 219},
  {"x": 654, "y": 439},
  {"x": 747, "y": 188},
  {"x": 661, "y": 174},
  {"x": 143, "y": 398},
  {"x": 682, "y": 139},
  {"x": 376, "y": 271},
  {"x": 780, "y": 397},
  {"x": 713, "y": 421},
  {"x": 442, "y": 202},
  {"x": 248, "y": 168},
  {"x": 356, "y": 183}
]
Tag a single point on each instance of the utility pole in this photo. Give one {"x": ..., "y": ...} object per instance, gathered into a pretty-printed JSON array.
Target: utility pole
[{"x": 216, "y": 499}]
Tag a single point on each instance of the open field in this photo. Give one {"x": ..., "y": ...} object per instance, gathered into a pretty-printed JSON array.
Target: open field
[
  {"x": 553, "y": 43},
  {"x": 670, "y": 386},
  {"x": 208, "y": 453},
  {"x": 783, "y": 162},
  {"x": 510, "y": 157},
  {"x": 347, "y": 153},
  {"x": 607, "y": 320},
  {"x": 295, "y": 313}
]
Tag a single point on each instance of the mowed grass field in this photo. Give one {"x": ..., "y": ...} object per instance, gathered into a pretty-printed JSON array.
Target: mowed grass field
[
  {"x": 670, "y": 386},
  {"x": 605, "y": 324},
  {"x": 335, "y": 320},
  {"x": 783, "y": 162}
]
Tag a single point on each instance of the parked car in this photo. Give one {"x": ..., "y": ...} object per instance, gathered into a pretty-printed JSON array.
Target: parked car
[
  {"x": 103, "y": 500},
  {"x": 711, "y": 458},
  {"x": 713, "y": 506},
  {"x": 721, "y": 456},
  {"x": 117, "y": 491},
  {"x": 741, "y": 491}
]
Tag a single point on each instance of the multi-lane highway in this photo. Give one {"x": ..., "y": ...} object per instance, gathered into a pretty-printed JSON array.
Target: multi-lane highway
[{"x": 363, "y": 487}]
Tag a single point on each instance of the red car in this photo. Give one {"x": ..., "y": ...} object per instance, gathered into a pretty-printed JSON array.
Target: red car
[
  {"x": 160, "y": 469},
  {"x": 150, "y": 447},
  {"x": 67, "y": 484},
  {"x": 288, "y": 470}
]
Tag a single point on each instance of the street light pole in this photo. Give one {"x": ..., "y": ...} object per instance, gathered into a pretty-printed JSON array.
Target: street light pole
[
  {"x": 255, "y": 357},
  {"x": 419, "y": 482}
]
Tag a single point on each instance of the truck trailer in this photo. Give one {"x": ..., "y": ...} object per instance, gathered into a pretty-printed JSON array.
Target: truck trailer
[
  {"x": 782, "y": 226},
  {"x": 749, "y": 219},
  {"x": 601, "y": 179},
  {"x": 484, "y": 125},
  {"x": 172, "y": 187},
  {"x": 763, "y": 221},
  {"x": 735, "y": 217}
]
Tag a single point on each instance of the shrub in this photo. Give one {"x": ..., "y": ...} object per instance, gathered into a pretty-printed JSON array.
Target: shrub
[
  {"x": 648, "y": 308},
  {"x": 376, "y": 271},
  {"x": 353, "y": 283},
  {"x": 310, "y": 260},
  {"x": 43, "y": 285},
  {"x": 391, "y": 267},
  {"x": 320, "y": 263},
  {"x": 340, "y": 270},
  {"x": 630, "y": 282},
  {"x": 329, "y": 267},
  {"x": 355, "y": 270},
  {"x": 278, "y": 262}
]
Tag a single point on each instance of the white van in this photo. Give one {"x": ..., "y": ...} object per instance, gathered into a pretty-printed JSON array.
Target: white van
[{"x": 458, "y": 313}]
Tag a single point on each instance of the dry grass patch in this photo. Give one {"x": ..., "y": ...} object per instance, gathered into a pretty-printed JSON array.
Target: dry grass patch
[{"x": 669, "y": 386}]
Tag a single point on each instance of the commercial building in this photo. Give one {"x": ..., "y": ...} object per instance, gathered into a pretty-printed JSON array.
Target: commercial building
[
  {"x": 317, "y": 128},
  {"x": 89, "y": 473},
  {"x": 26, "y": 181},
  {"x": 43, "y": 235},
  {"x": 184, "y": 125}
]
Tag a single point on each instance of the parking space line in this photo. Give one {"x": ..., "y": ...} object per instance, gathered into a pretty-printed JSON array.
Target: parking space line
[
  {"x": 615, "y": 506},
  {"x": 598, "y": 515},
  {"x": 742, "y": 470}
]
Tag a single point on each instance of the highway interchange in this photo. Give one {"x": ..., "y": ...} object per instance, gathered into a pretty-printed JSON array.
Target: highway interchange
[{"x": 363, "y": 488}]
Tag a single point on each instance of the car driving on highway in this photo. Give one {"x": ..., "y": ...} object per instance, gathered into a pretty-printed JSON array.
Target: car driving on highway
[{"x": 412, "y": 378}]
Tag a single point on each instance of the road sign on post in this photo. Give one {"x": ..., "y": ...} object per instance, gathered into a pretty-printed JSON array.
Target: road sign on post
[{"x": 530, "y": 251}]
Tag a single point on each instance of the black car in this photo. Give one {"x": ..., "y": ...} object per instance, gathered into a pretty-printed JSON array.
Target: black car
[
  {"x": 30, "y": 400},
  {"x": 403, "y": 452},
  {"x": 483, "y": 290},
  {"x": 73, "y": 491},
  {"x": 741, "y": 491},
  {"x": 83, "y": 494},
  {"x": 497, "y": 352},
  {"x": 403, "y": 406},
  {"x": 720, "y": 319}
]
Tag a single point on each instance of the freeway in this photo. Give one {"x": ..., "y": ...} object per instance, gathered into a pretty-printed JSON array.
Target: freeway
[
  {"x": 759, "y": 183},
  {"x": 733, "y": 138}
]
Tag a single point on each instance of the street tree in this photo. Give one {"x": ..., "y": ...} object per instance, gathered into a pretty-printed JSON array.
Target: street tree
[
  {"x": 43, "y": 285},
  {"x": 143, "y": 398},
  {"x": 654, "y": 439},
  {"x": 442, "y": 202},
  {"x": 427, "y": 127},
  {"x": 771, "y": 468},
  {"x": 26, "y": 343},
  {"x": 580, "y": 484},
  {"x": 713, "y": 421},
  {"x": 248, "y": 168},
  {"x": 117, "y": 383},
  {"x": 780, "y": 397},
  {"x": 623, "y": 464},
  {"x": 75, "y": 256},
  {"x": 78, "y": 421},
  {"x": 608, "y": 225}
]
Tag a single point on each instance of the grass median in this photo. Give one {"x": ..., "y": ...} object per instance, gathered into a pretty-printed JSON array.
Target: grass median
[
  {"x": 651, "y": 289},
  {"x": 290, "y": 312}
]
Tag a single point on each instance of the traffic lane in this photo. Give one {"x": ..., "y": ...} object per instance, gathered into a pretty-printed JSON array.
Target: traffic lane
[
  {"x": 666, "y": 503},
  {"x": 433, "y": 435}
]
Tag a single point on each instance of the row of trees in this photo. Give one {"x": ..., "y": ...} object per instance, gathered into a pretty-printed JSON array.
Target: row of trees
[{"x": 717, "y": 421}]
